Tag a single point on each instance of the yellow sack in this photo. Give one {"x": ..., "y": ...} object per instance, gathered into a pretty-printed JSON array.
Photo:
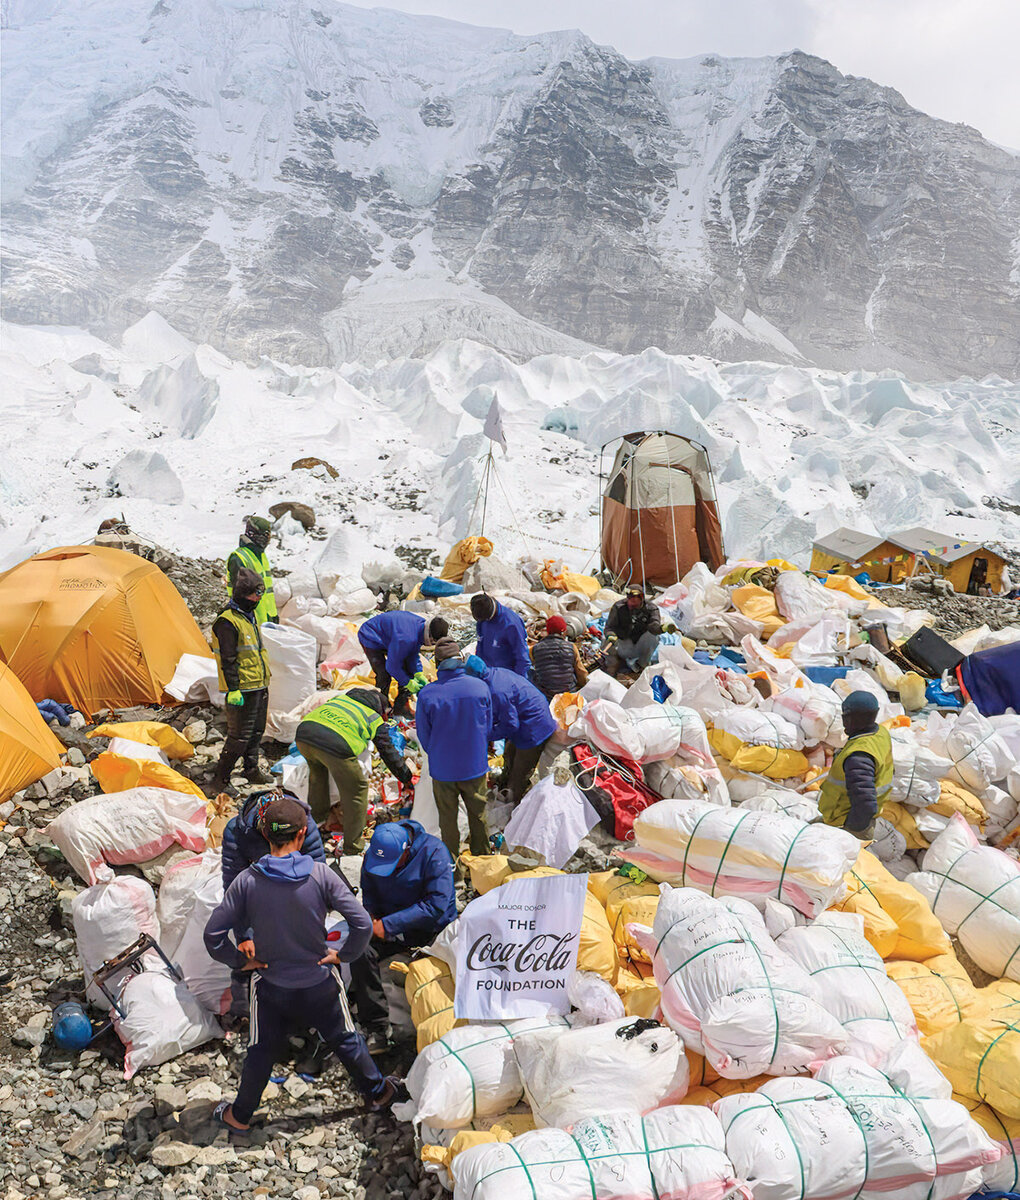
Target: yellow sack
[
  {"x": 981, "y": 1059},
  {"x": 465, "y": 554},
  {"x": 850, "y": 587},
  {"x": 118, "y": 773},
  {"x": 759, "y": 604},
  {"x": 568, "y": 581},
  {"x": 902, "y": 819},
  {"x": 636, "y": 987},
  {"x": 706, "y": 1094},
  {"x": 758, "y": 760},
  {"x": 486, "y": 870},
  {"x": 954, "y": 798},
  {"x": 781, "y": 564},
  {"x": 625, "y": 902},
  {"x": 1005, "y": 1131},
  {"x": 428, "y": 986},
  {"x": 938, "y": 991},
  {"x": 505, "y": 1129},
  {"x": 149, "y": 733},
  {"x": 898, "y": 920}
]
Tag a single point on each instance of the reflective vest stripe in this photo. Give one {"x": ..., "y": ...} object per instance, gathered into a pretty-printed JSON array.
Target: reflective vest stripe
[
  {"x": 266, "y": 607},
  {"x": 252, "y": 660}
]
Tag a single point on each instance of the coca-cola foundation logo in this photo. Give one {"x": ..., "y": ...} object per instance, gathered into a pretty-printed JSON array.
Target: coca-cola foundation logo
[{"x": 542, "y": 952}]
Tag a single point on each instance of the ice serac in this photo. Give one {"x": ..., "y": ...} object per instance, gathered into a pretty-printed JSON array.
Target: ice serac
[{"x": 323, "y": 183}]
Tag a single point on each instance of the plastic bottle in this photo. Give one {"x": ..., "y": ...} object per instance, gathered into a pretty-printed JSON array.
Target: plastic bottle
[{"x": 911, "y": 688}]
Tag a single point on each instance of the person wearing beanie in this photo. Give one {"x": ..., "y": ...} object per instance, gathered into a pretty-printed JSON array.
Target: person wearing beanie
[
  {"x": 453, "y": 721},
  {"x": 632, "y": 631},
  {"x": 502, "y": 640},
  {"x": 329, "y": 739},
  {"x": 392, "y": 643},
  {"x": 860, "y": 778},
  {"x": 243, "y": 668},
  {"x": 251, "y": 553},
  {"x": 521, "y": 717},
  {"x": 282, "y": 901},
  {"x": 556, "y": 662}
]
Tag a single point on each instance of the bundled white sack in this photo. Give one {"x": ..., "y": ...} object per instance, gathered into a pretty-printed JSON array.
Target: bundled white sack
[
  {"x": 852, "y": 983},
  {"x": 608, "y": 727},
  {"x": 177, "y": 892},
  {"x": 785, "y": 801},
  {"x": 162, "y": 1019},
  {"x": 292, "y": 658},
  {"x": 971, "y": 742},
  {"x": 674, "y": 1153},
  {"x": 669, "y": 730},
  {"x": 108, "y": 917},
  {"x": 756, "y": 727},
  {"x": 855, "y": 1131},
  {"x": 631, "y": 1065},
  {"x": 917, "y": 770},
  {"x": 813, "y": 709},
  {"x": 206, "y": 979},
  {"x": 739, "y": 852},
  {"x": 974, "y": 891},
  {"x": 730, "y": 992},
  {"x": 801, "y": 598},
  {"x": 195, "y": 681},
  {"x": 679, "y": 778},
  {"x": 469, "y": 1072},
  {"x": 859, "y": 680},
  {"x": 127, "y": 827}
]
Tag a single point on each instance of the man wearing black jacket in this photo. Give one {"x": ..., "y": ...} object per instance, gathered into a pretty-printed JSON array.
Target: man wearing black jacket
[{"x": 632, "y": 631}]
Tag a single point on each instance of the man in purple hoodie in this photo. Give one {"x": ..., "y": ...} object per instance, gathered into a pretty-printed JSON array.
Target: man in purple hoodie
[{"x": 283, "y": 899}]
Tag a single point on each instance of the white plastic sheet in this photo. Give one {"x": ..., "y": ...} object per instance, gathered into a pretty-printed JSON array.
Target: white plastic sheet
[{"x": 551, "y": 820}]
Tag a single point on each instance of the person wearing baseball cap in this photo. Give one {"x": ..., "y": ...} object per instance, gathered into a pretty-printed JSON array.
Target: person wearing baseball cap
[
  {"x": 407, "y": 887},
  {"x": 860, "y": 778},
  {"x": 556, "y": 661}
]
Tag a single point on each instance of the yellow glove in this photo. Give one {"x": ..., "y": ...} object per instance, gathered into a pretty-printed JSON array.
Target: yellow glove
[{"x": 235, "y": 699}]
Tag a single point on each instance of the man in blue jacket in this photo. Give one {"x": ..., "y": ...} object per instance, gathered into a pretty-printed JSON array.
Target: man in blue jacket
[
  {"x": 502, "y": 641},
  {"x": 283, "y": 899},
  {"x": 407, "y": 887},
  {"x": 453, "y": 720},
  {"x": 520, "y": 715},
  {"x": 244, "y": 844},
  {"x": 392, "y": 642}
]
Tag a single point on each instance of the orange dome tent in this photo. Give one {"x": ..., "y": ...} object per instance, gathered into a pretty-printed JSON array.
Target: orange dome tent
[
  {"x": 28, "y": 749},
  {"x": 94, "y": 627}
]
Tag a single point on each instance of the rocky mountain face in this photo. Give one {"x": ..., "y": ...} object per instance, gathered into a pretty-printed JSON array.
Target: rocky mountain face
[{"x": 323, "y": 183}]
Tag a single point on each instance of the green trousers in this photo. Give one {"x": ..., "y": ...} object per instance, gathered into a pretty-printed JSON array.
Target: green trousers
[
  {"x": 350, "y": 783},
  {"x": 448, "y": 797}
]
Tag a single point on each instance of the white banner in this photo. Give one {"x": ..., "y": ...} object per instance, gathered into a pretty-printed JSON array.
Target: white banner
[{"x": 517, "y": 947}]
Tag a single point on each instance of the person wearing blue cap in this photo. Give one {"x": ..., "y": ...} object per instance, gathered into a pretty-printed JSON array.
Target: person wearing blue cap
[
  {"x": 860, "y": 778},
  {"x": 407, "y": 887}
]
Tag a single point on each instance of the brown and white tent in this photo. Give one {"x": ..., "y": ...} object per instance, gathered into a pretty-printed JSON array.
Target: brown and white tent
[{"x": 659, "y": 513}]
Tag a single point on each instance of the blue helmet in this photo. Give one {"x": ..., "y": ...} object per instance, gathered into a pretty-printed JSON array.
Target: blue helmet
[{"x": 384, "y": 850}]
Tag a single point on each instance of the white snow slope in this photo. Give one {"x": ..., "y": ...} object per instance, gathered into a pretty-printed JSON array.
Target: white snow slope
[{"x": 184, "y": 442}]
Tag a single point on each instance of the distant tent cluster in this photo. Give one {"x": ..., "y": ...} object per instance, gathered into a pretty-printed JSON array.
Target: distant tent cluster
[
  {"x": 659, "y": 511},
  {"x": 898, "y": 556}
]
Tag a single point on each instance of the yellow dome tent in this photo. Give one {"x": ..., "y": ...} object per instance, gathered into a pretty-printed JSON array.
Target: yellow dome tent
[
  {"x": 94, "y": 627},
  {"x": 28, "y": 749}
]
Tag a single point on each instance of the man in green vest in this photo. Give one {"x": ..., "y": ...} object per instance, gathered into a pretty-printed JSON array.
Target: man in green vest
[
  {"x": 251, "y": 553},
  {"x": 860, "y": 778},
  {"x": 243, "y": 667},
  {"x": 330, "y": 739}
]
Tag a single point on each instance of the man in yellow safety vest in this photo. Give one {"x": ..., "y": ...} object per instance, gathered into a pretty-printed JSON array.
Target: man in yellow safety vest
[
  {"x": 860, "y": 778},
  {"x": 251, "y": 553}
]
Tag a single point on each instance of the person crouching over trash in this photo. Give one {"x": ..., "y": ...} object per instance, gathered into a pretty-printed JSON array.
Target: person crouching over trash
[
  {"x": 283, "y": 899},
  {"x": 860, "y": 778}
]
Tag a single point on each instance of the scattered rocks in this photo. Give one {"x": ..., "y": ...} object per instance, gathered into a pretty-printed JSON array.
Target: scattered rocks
[
  {"x": 173, "y": 1154},
  {"x": 195, "y": 732}
]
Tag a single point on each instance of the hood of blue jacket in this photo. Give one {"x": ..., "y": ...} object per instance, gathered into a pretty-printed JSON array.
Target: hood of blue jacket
[{"x": 290, "y": 868}]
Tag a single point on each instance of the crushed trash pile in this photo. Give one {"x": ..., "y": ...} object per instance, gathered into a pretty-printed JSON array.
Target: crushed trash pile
[{"x": 762, "y": 1005}]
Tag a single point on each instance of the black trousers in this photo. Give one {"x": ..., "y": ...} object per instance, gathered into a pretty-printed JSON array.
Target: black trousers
[
  {"x": 366, "y": 983},
  {"x": 275, "y": 1012},
  {"x": 383, "y": 679},
  {"x": 246, "y": 723},
  {"x": 519, "y": 766}
]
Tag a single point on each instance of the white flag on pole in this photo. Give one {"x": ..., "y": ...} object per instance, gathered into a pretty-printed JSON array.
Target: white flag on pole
[{"x": 493, "y": 427}]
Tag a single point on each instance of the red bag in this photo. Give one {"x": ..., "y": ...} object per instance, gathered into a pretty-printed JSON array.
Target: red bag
[{"x": 615, "y": 788}]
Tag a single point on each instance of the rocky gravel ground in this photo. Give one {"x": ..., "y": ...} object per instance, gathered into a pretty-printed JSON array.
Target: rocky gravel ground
[{"x": 954, "y": 612}]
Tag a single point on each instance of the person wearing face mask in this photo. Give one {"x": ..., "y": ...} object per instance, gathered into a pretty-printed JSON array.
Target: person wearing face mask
[
  {"x": 251, "y": 553},
  {"x": 243, "y": 668}
]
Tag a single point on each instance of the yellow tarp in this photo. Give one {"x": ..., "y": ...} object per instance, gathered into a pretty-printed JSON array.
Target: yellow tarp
[
  {"x": 636, "y": 987},
  {"x": 568, "y": 581},
  {"x": 118, "y": 773},
  {"x": 28, "y": 748},
  {"x": 149, "y": 733},
  {"x": 505, "y": 1129},
  {"x": 706, "y": 1094},
  {"x": 850, "y": 587},
  {"x": 1005, "y": 1130},
  {"x": 981, "y": 1059},
  {"x": 758, "y": 760},
  {"x": 898, "y": 920},
  {"x": 465, "y": 554},
  {"x": 758, "y": 604},
  {"x": 903, "y": 820}
]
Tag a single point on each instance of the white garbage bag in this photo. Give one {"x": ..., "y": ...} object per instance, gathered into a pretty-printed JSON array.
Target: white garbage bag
[
  {"x": 630, "y": 1065},
  {"x": 740, "y": 852},
  {"x": 785, "y": 801},
  {"x": 551, "y": 821},
  {"x": 609, "y": 727},
  {"x": 601, "y": 686},
  {"x": 852, "y": 983},
  {"x": 730, "y": 992},
  {"x": 177, "y": 892},
  {"x": 974, "y": 891},
  {"x": 917, "y": 770},
  {"x": 292, "y": 659},
  {"x": 813, "y": 709},
  {"x": 108, "y": 917},
  {"x": 756, "y": 727},
  {"x": 195, "y": 681},
  {"x": 162, "y": 1019},
  {"x": 674, "y": 1153},
  {"x": 127, "y": 827},
  {"x": 469, "y": 1072},
  {"x": 857, "y": 1131},
  {"x": 972, "y": 743},
  {"x": 207, "y": 979}
]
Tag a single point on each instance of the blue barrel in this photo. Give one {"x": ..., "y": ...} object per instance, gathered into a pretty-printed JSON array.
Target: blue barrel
[{"x": 72, "y": 1028}]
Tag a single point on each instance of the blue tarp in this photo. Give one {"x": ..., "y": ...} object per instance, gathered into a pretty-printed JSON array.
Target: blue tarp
[{"x": 992, "y": 677}]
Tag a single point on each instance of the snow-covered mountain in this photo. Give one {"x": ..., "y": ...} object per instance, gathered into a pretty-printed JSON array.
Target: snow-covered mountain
[{"x": 325, "y": 183}]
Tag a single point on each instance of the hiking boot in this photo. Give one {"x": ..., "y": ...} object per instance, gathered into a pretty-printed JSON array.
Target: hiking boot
[
  {"x": 254, "y": 774},
  {"x": 378, "y": 1041},
  {"x": 391, "y": 1091},
  {"x": 401, "y": 706}
]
